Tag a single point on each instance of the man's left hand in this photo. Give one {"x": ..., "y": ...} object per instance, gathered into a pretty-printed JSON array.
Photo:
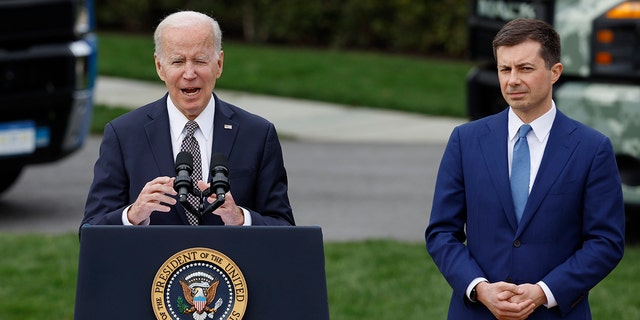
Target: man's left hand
[
  {"x": 531, "y": 292},
  {"x": 230, "y": 213}
]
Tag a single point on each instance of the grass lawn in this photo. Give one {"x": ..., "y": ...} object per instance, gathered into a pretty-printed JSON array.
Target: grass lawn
[
  {"x": 402, "y": 83},
  {"x": 377, "y": 279}
]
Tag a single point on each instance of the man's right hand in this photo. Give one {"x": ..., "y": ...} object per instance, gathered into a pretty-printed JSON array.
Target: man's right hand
[{"x": 157, "y": 195}]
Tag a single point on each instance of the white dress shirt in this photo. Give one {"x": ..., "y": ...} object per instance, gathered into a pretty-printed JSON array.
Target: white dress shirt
[
  {"x": 204, "y": 133},
  {"x": 537, "y": 139}
]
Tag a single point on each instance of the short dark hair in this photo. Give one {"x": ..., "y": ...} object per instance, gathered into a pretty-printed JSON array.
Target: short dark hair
[{"x": 520, "y": 30}]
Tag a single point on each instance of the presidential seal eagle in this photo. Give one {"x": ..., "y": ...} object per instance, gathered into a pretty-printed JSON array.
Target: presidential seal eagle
[{"x": 199, "y": 297}]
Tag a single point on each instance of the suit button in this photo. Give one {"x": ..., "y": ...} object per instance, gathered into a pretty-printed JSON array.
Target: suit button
[{"x": 516, "y": 243}]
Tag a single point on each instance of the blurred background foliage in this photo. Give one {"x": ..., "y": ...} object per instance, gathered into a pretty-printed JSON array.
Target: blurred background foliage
[{"x": 425, "y": 27}]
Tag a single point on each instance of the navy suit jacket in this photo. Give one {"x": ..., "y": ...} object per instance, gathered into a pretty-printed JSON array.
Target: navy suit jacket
[
  {"x": 572, "y": 230},
  {"x": 136, "y": 148}
]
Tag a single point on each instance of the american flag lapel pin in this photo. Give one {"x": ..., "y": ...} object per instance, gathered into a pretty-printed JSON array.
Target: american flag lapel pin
[{"x": 228, "y": 126}]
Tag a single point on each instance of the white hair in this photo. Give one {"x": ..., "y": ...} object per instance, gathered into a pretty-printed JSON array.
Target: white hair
[{"x": 187, "y": 19}]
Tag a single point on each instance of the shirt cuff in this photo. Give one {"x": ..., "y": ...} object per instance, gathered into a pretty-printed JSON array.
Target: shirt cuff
[
  {"x": 247, "y": 217},
  {"x": 125, "y": 218},
  {"x": 551, "y": 300},
  {"x": 473, "y": 284}
]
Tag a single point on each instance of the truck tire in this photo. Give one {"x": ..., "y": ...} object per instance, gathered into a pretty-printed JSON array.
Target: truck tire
[
  {"x": 632, "y": 223},
  {"x": 8, "y": 177}
]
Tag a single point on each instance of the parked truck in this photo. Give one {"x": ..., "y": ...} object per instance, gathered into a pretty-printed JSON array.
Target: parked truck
[
  {"x": 600, "y": 83},
  {"x": 48, "y": 53}
]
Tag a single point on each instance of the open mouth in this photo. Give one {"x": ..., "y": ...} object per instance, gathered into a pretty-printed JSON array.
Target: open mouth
[{"x": 190, "y": 91}]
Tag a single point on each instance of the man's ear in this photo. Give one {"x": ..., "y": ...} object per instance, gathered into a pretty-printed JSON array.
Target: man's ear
[
  {"x": 556, "y": 71},
  {"x": 220, "y": 64},
  {"x": 159, "y": 69}
]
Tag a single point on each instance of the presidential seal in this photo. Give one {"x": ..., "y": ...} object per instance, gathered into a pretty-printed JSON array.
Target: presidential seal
[{"x": 199, "y": 283}]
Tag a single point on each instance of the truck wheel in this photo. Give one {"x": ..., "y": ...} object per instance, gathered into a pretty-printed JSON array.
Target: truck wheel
[
  {"x": 632, "y": 223},
  {"x": 8, "y": 177}
]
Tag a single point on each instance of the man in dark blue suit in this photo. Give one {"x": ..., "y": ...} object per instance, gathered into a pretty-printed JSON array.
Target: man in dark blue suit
[
  {"x": 535, "y": 256},
  {"x": 134, "y": 174}
]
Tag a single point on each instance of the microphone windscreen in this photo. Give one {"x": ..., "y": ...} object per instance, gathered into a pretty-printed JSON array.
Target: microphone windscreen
[
  {"x": 184, "y": 158},
  {"x": 218, "y": 159}
]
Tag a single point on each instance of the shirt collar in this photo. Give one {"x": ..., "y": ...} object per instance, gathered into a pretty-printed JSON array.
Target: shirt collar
[
  {"x": 540, "y": 127},
  {"x": 177, "y": 120}
]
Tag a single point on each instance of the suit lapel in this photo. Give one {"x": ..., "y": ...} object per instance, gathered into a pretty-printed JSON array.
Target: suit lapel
[
  {"x": 224, "y": 128},
  {"x": 560, "y": 147},
  {"x": 493, "y": 143},
  {"x": 159, "y": 138}
]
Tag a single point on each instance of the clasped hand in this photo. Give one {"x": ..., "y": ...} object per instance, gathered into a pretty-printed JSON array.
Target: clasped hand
[
  {"x": 510, "y": 301},
  {"x": 159, "y": 195}
]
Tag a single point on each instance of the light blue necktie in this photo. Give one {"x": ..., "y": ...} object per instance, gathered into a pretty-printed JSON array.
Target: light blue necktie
[{"x": 520, "y": 171}]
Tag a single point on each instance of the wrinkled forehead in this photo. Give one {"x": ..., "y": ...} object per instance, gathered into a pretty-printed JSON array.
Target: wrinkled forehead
[{"x": 187, "y": 41}]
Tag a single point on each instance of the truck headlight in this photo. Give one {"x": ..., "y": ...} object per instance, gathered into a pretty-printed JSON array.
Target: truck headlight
[
  {"x": 616, "y": 42},
  {"x": 83, "y": 18},
  {"x": 81, "y": 51}
]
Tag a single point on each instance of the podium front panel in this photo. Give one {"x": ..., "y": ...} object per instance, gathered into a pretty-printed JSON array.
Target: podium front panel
[{"x": 283, "y": 268}]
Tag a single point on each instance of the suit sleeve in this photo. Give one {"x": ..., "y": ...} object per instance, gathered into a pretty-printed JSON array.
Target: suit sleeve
[
  {"x": 445, "y": 235},
  {"x": 272, "y": 201},
  {"x": 109, "y": 190},
  {"x": 602, "y": 232}
]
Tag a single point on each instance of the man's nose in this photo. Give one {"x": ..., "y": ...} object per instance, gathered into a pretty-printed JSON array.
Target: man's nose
[
  {"x": 514, "y": 78},
  {"x": 189, "y": 71}
]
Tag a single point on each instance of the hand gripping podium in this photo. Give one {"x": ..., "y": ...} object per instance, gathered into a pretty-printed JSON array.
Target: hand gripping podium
[{"x": 201, "y": 272}]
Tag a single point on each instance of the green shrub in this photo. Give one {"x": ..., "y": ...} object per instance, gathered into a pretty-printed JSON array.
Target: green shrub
[{"x": 403, "y": 26}]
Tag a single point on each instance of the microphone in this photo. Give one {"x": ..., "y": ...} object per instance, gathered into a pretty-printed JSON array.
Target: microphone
[
  {"x": 219, "y": 181},
  {"x": 183, "y": 183},
  {"x": 219, "y": 176}
]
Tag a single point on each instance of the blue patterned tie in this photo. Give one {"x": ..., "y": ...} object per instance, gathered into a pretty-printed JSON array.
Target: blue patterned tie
[{"x": 520, "y": 171}]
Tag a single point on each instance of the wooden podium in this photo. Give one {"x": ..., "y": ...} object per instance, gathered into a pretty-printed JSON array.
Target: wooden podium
[{"x": 127, "y": 272}]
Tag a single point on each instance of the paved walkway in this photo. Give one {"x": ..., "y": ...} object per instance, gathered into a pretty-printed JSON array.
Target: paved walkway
[{"x": 301, "y": 119}]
